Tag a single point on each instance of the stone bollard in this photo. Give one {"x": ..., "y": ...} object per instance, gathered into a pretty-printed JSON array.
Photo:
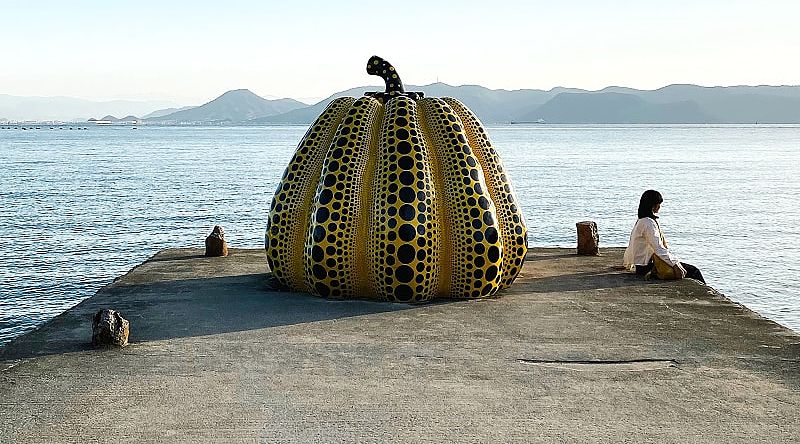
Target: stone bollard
[
  {"x": 110, "y": 328},
  {"x": 588, "y": 239},
  {"x": 215, "y": 243}
]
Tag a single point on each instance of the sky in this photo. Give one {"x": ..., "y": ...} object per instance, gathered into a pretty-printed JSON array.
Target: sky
[{"x": 192, "y": 51}]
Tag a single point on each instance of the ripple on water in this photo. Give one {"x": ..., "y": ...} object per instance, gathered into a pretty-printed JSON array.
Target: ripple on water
[{"x": 85, "y": 207}]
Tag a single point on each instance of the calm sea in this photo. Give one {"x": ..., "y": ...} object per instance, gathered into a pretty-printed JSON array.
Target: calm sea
[{"x": 80, "y": 207}]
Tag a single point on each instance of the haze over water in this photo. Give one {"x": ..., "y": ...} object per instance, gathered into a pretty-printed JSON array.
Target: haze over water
[{"x": 82, "y": 207}]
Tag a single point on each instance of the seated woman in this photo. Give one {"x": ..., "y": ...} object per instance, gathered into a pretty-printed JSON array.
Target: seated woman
[{"x": 647, "y": 240}]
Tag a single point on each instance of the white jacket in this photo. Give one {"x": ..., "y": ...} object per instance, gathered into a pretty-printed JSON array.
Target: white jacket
[{"x": 646, "y": 239}]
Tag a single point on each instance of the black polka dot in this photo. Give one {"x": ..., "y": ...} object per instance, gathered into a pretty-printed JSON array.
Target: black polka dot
[
  {"x": 491, "y": 235},
  {"x": 322, "y": 289},
  {"x": 406, "y": 178},
  {"x": 405, "y": 162},
  {"x": 317, "y": 254},
  {"x": 494, "y": 253},
  {"x": 491, "y": 273},
  {"x": 407, "y": 212},
  {"x": 319, "y": 233},
  {"x": 406, "y": 253},
  {"x": 403, "y": 293},
  {"x": 322, "y": 214},
  {"x": 407, "y": 194},
  {"x": 407, "y": 232},
  {"x": 403, "y": 147},
  {"x": 404, "y": 273},
  {"x": 319, "y": 271}
]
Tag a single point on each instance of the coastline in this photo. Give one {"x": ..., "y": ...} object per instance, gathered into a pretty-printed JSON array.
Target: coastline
[{"x": 575, "y": 349}]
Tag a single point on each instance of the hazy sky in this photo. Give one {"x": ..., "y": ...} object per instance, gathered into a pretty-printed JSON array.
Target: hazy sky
[{"x": 191, "y": 51}]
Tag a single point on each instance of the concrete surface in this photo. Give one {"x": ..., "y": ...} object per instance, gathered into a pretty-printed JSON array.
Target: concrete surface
[{"x": 576, "y": 351}]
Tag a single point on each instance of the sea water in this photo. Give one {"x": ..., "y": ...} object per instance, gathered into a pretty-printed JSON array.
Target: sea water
[{"x": 80, "y": 207}]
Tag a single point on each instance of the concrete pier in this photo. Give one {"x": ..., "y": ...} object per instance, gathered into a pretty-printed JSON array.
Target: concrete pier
[{"x": 576, "y": 351}]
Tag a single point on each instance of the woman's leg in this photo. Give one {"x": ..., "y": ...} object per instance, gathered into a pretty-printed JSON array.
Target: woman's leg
[
  {"x": 642, "y": 270},
  {"x": 693, "y": 272}
]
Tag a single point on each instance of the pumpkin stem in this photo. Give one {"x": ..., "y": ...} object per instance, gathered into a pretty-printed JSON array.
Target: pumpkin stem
[{"x": 377, "y": 66}]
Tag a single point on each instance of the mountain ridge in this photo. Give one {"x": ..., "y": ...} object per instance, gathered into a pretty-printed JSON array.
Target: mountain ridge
[
  {"x": 675, "y": 103},
  {"x": 233, "y": 106}
]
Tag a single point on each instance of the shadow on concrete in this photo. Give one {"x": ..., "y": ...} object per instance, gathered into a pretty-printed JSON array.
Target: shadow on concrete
[
  {"x": 593, "y": 280},
  {"x": 187, "y": 308},
  {"x": 533, "y": 257}
]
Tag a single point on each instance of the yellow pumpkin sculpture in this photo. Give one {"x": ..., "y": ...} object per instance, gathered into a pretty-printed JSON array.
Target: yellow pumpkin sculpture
[{"x": 397, "y": 197}]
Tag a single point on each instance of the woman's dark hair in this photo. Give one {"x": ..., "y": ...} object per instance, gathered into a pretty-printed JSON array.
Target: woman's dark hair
[{"x": 650, "y": 198}]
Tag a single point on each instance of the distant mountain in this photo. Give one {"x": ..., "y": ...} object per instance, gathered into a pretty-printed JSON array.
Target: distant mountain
[
  {"x": 670, "y": 104},
  {"x": 615, "y": 107},
  {"x": 68, "y": 108},
  {"x": 164, "y": 112},
  {"x": 615, "y": 104},
  {"x": 731, "y": 104},
  {"x": 232, "y": 107},
  {"x": 491, "y": 105}
]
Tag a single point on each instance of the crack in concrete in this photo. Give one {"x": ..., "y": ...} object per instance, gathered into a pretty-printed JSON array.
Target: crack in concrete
[
  {"x": 597, "y": 361},
  {"x": 616, "y": 365}
]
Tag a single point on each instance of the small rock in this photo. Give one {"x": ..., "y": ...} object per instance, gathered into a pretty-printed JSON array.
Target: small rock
[
  {"x": 215, "y": 243},
  {"x": 110, "y": 328},
  {"x": 588, "y": 239}
]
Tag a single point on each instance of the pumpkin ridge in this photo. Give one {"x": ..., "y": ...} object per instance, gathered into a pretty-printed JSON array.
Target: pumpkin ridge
[
  {"x": 363, "y": 272},
  {"x": 404, "y": 238},
  {"x": 510, "y": 218},
  {"x": 440, "y": 209},
  {"x": 476, "y": 254},
  {"x": 288, "y": 219},
  {"x": 330, "y": 253}
]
